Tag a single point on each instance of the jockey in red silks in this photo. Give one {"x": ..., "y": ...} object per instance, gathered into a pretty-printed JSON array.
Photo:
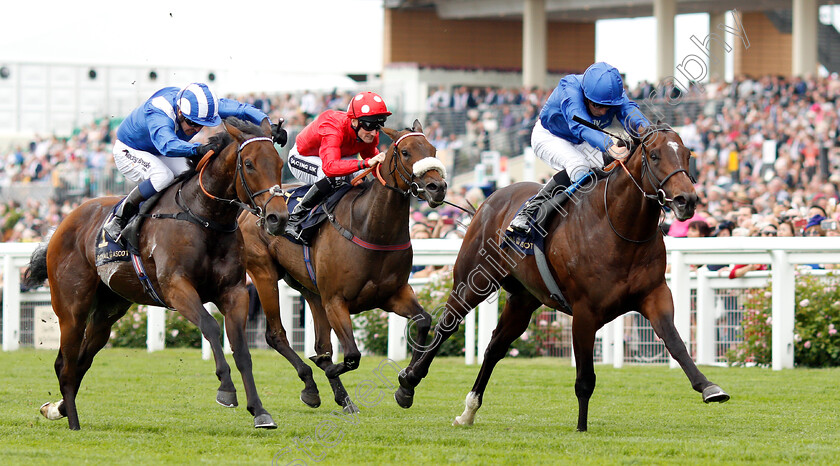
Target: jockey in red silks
[{"x": 324, "y": 153}]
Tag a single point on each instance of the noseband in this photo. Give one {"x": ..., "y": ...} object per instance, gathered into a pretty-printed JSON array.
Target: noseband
[{"x": 252, "y": 206}]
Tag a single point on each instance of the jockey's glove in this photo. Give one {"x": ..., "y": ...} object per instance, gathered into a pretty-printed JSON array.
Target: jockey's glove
[
  {"x": 278, "y": 134},
  {"x": 203, "y": 149}
]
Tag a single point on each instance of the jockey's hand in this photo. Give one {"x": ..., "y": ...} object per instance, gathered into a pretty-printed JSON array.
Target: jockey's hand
[
  {"x": 203, "y": 149},
  {"x": 378, "y": 158},
  {"x": 618, "y": 152},
  {"x": 278, "y": 134}
]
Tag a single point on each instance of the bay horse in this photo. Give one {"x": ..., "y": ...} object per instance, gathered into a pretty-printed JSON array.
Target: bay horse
[
  {"x": 605, "y": 249},
  {"x": 369, "y": 271},
  {"x": 189, "y": 261}
]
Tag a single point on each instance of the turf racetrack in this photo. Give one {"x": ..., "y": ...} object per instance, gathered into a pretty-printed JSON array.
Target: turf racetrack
[{"x": 142, "y": 408}]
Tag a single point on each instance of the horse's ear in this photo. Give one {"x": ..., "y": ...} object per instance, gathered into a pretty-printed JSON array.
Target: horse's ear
[
  {"x": 416, "y": 127},
  {"x": 234, "y": 131},
  {"x": 265, "y": 126},
  {"x": 390, "y": 132}
]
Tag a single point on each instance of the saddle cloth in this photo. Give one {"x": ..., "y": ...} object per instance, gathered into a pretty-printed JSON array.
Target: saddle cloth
[{"x": 317, "y": 216}]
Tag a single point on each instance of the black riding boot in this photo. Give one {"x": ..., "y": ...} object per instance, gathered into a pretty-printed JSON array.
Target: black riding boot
[
  {"x": 528, "y": 215},
  {"x": 316, "y": 194},
  {"x": 126, "y": 210}
]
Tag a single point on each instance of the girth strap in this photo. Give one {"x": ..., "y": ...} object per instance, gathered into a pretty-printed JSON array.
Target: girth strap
[
  {"x": 145, "y": 281},
  {"x": 548, "y": 279}
]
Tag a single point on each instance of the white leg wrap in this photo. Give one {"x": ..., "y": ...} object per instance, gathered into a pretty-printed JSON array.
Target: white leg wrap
[
  {"x": 50, "y": 410},
  {"x": 471, "y": 406}
]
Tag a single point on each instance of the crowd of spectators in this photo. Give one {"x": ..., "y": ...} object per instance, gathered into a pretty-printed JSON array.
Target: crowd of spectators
[{"x": 767, "y": 151}]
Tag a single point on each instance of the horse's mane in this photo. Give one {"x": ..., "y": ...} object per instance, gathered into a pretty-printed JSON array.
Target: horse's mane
[{"x": 221, "y": 140}]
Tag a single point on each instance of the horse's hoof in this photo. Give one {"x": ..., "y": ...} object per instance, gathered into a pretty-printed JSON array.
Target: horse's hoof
[
  {"x": 264, "y": 421},
  {"x": 313, "y": 400},
  {"x": 404, "y": 397},
  {"x": 350, "y": 407},
  {"x": 407, "y": 381},
  {"x": 715, "y": 394},
  {"x": 460, "y": 422},
  {"x": 226, "y": 399},
  {"x": 50, "y": 410}
]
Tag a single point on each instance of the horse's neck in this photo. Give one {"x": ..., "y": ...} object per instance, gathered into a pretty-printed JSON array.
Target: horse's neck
[
  {"x": 627, "y": 204},
  {"x": 381, "y": 213},
  {"x": 218, "y": 184}
]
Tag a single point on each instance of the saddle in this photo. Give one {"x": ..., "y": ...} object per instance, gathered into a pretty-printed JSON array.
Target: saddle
[
  {"x": 130, "y": 238},
  {"x": 318, "y": 215}
]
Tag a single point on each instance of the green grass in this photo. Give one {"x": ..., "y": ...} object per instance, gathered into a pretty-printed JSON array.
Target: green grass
[{"x": 142, "y": 408}]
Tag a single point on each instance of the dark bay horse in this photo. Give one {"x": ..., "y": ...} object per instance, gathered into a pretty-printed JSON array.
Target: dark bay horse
[
  {"x": 606, "y": 252},
  {"x": 188, "y": 263},
  {"x": 351, "y": 276}
]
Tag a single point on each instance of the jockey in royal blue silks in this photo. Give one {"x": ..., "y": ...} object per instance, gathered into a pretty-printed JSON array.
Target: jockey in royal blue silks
[
  {"x": 152, "y": 142},
  {"x": 597, "y": 96}
]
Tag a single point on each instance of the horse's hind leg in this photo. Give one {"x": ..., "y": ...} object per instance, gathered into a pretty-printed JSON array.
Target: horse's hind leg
[
  {"x": 658, "y": 307},
  {"x": 72, "y": 305},
  {"x": 471, "y": 286},
  {"x": 324, "y": 350},
  {"x": 234, "y": 305},
  {"x": 512, "y": 323}
]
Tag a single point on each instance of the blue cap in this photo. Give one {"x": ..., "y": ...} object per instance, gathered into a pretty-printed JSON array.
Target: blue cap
[
  {"x": 199, "y": 104},
  {"x": 602, "y": 84}
]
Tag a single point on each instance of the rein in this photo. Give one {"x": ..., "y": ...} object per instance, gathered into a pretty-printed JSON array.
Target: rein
[
  {"x": 660, "y": 197},
  {"x": 252, "y": 207}
]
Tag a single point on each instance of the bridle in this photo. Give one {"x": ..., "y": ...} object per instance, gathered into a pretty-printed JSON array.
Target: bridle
[
  {"x": 659, "y": 196},
  {"x": 251, "y": 206},
  {"x": 408, "y": 176}
]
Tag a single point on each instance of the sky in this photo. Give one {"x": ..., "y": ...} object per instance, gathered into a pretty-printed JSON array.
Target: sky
[
  {"x": 279, "y": 44},
  {"x": 302, "y": 39}
]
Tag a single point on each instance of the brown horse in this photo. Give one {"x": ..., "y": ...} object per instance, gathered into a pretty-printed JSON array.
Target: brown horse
[
  {"x": 368, "y": 271},
  {"x": 606, "y": 251},
  {"x": 189, "y": 261}
]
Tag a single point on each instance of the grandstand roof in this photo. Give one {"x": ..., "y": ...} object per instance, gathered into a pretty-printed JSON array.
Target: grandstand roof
[{"x": 583, "y": 10}]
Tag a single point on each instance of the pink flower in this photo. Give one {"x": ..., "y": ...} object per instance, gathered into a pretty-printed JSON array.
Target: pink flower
[
  {"x": 514, "y": 352},
  {"x": 804, "y": 302},
  {"x": 174, "y": 333},
  {"x": 807, "y": 344},
  {"x": 375, "y": 335},
  {"x": 524, "y": 336},
  {"x": 543, "y": 323},
  {"x": 832, "y": 331}
]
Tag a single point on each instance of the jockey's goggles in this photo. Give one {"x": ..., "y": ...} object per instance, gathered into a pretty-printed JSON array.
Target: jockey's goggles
[
  {"x": 368, "y": 125},
  {"x": 192, "y": 124}
]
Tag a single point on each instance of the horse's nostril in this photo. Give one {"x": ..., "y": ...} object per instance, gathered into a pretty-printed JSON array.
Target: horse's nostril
[
  {"x": 432, "y": 187},
  {"x": 272, "y": 219}
]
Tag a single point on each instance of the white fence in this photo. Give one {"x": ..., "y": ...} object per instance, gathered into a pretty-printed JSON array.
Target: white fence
[{"x": 783, "y": 254}]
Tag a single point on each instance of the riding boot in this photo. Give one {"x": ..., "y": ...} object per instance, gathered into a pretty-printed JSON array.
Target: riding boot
[
  {"x": 128, "y": 209},
  {"x": 316, "y": 194},
  {"x": 528, "y": 215}
]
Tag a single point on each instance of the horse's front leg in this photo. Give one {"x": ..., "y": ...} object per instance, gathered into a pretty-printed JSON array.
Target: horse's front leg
[
  {"x": 234, "y": 306},
  {"x": 583, "y": 340},
  {"x": 404, "y": 303},
  {"x": 181, "y": 295},
  {"x": 338, "y": 316},
  {"x": 324, "y": 350},
  {"x": 265, "y": 279},
  {"x": 658, "y": 307}
]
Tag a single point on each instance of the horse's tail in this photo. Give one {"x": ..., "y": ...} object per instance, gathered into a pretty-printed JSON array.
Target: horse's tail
[{"x": 36, "y": 273}]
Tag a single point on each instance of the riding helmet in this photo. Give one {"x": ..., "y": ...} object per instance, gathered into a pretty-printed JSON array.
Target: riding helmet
[
  {"x": 199, "y": 104},
  {"x": 602, "y": 84},
  {"x": 368, "y": 106}
]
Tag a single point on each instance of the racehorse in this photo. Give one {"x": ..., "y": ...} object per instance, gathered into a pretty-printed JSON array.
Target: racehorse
[
  {"x": 365, "y": 266},
  {"x": 189, "y": 261},
  {"x": 604, "y": 247}
]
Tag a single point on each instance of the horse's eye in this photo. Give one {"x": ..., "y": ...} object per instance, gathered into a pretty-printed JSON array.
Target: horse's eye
[
  {"x": 249, "y": 165},
  {"x": 404, "y": 152},
  {"x": 654, "y": 154}
]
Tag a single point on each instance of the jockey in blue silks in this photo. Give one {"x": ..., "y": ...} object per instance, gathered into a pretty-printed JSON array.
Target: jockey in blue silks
[
  {"x": 152, "y": 142},
  {"x": 597, "y": 96}
]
